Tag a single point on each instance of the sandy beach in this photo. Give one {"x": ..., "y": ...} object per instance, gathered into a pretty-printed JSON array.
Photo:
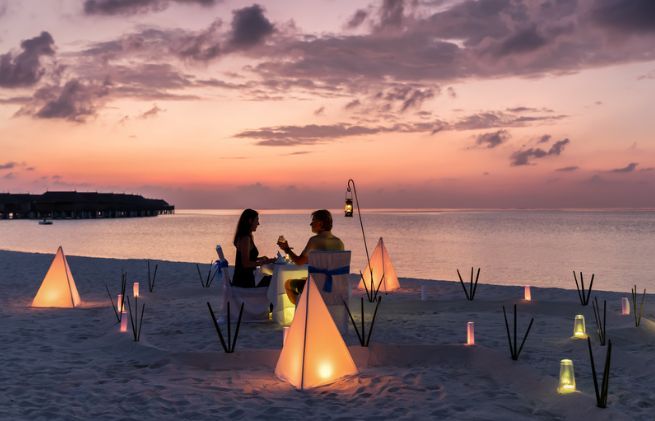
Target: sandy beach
[{"x": 68, "y": 364}]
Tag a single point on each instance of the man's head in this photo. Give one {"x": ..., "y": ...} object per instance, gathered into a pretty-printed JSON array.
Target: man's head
[{"x": 321, "y": 221}]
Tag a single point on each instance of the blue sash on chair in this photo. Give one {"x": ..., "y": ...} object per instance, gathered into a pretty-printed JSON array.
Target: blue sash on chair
[
  {"x": 327, "y": 287},
  {"x": 218, "y": 265}
]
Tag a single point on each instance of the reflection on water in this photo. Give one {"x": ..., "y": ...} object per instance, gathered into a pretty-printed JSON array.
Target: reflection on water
[{"x": 512, "y": 247}]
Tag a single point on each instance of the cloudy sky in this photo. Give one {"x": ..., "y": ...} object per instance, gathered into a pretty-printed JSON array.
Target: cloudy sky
[{"x": 425, "y": 103}]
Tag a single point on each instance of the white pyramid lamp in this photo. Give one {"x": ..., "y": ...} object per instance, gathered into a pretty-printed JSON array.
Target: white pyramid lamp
[
  {"x": 314, "y": 353},
  {"x": 381, "y": 265},
  {"x": 58, "y": 287}
]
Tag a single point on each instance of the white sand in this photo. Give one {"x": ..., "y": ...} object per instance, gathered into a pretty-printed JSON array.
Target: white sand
[{"x": 73, "y": 364}]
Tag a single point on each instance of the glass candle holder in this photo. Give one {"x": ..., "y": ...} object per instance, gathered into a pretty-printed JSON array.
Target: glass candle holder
[
  {"x": 579, "y": 330},
  {"x": 566, "y": 377},
  {"x": 625, "y": 306},
  {"x": 470, "y": 333},
  {"x": 123, "y": 322}
]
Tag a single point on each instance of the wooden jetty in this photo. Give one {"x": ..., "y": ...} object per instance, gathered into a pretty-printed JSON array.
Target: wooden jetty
[{"x": 80, "y": 205}]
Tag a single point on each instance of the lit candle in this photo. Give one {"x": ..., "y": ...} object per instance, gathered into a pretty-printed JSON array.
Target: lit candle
[
  {"x": 566, "y": 377},
  {"x": 135, "y": 289},
  {"x": 470, "y": 333},
  {"x": 527, "y": 295},
  {"x": 579, "y": 330},
  {"x": 625, "y": 306},
  {"x": 119, "y": 303},
  {"x": 124, "y": 322},
  {"x": 285, "y": 331}
]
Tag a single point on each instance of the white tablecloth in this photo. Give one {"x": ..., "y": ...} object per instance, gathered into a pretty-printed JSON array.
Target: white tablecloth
[{"x": 283, "y": 309}]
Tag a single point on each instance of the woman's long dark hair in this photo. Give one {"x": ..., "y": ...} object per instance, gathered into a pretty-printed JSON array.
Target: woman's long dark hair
[{"x": 245, "y": 223}]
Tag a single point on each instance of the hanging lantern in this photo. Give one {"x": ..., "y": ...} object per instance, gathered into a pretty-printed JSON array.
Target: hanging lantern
[
  {"x": 348, "y": 208},
  {"x": 527, "y": 295},
  {"x": 579, "y": 330},
  {"x": 625, "y": 306},
  {"x": 135, "y": 289},
  {"x": 566, "y": 377},
  {"x": 470, "y": 333}
]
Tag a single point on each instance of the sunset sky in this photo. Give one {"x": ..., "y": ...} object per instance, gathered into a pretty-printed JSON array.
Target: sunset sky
[{"x": 425, "y": 103}]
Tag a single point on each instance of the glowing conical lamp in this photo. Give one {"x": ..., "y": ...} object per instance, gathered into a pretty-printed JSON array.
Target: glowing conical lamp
[
  {"x": 314, "y": 352},
  {"x": 381, "y": 264},
  {"x": 58, "y": 287}
]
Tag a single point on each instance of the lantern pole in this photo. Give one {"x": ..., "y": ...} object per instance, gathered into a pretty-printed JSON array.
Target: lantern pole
[{"x": 359, "y": 213}]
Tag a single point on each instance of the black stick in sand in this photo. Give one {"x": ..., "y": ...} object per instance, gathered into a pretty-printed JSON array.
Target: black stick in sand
[
  {"x": 601, "y": 323},
  {"x": 583, "y": 295},
  {"x": 230, "y": 345},
  {"x": 513, "y": 342},
  {"x": 473, "y": 286},
  {"x": 118, "y": 314},
  {"x": 364, "y": 339},
  {"x": 601, "y": 395},
  {"x": 135, "y": 320},
  {"x": 210, "y": 276},
  {"x": 634, "y": 305},
  {"x": 151, "y": 280}
]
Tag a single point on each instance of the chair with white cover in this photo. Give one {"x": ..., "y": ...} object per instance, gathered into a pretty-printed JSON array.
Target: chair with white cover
[
  {"x": 331, "y": 272},
  {"x": 256, "y": 305}
]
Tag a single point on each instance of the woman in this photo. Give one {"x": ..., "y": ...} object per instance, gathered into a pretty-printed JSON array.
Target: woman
[{"x": 247, "y": 258}]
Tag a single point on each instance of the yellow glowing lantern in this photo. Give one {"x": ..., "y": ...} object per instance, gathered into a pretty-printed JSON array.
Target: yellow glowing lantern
[
  {"x": 288, "y": 313},
  {"x": 314, "y": 352},
  {"x": 124, "y": 322},
  {"x": 135, "y": 290},
  {"x": 625, "y": 306},
  {"x": 380, "y": 264},
  {"x": 579, "y": 330},
  {"x": 566, "y": 377},
  {"x": 348, "y": 208},
  {"x": 58, "y": 287},
  {"x": 470, "y": 333},
  {"x": 527, "y": 294}
]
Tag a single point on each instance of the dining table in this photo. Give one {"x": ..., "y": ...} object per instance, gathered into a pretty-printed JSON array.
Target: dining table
[{"x": 283, "y": 308}]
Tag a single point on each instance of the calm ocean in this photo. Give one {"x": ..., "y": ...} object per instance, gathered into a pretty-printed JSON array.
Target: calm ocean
[{"x": 540, "y": 248}]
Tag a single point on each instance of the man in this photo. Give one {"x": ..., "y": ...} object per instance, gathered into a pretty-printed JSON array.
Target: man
[{"x": 323, "y": 240}]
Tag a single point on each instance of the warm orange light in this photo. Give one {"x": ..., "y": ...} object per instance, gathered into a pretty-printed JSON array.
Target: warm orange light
[
  {"x": 135, "y": 290},
  {"x": 119, "y": 303},
  {"x": 325, "y": 370},
  {"x": 314, "y": 352},
  {"x": 285, "y": 332},
  {"x": 625, "y": 306},
  {"x": 527, "y": 295},
  {"x": 380, "y": 263},
  {"x": 124, "y": 322},
  {"x": 58, "y": 287},
  {"x": 470, "y": 333},
  {"x": 348, "y": 208}
]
